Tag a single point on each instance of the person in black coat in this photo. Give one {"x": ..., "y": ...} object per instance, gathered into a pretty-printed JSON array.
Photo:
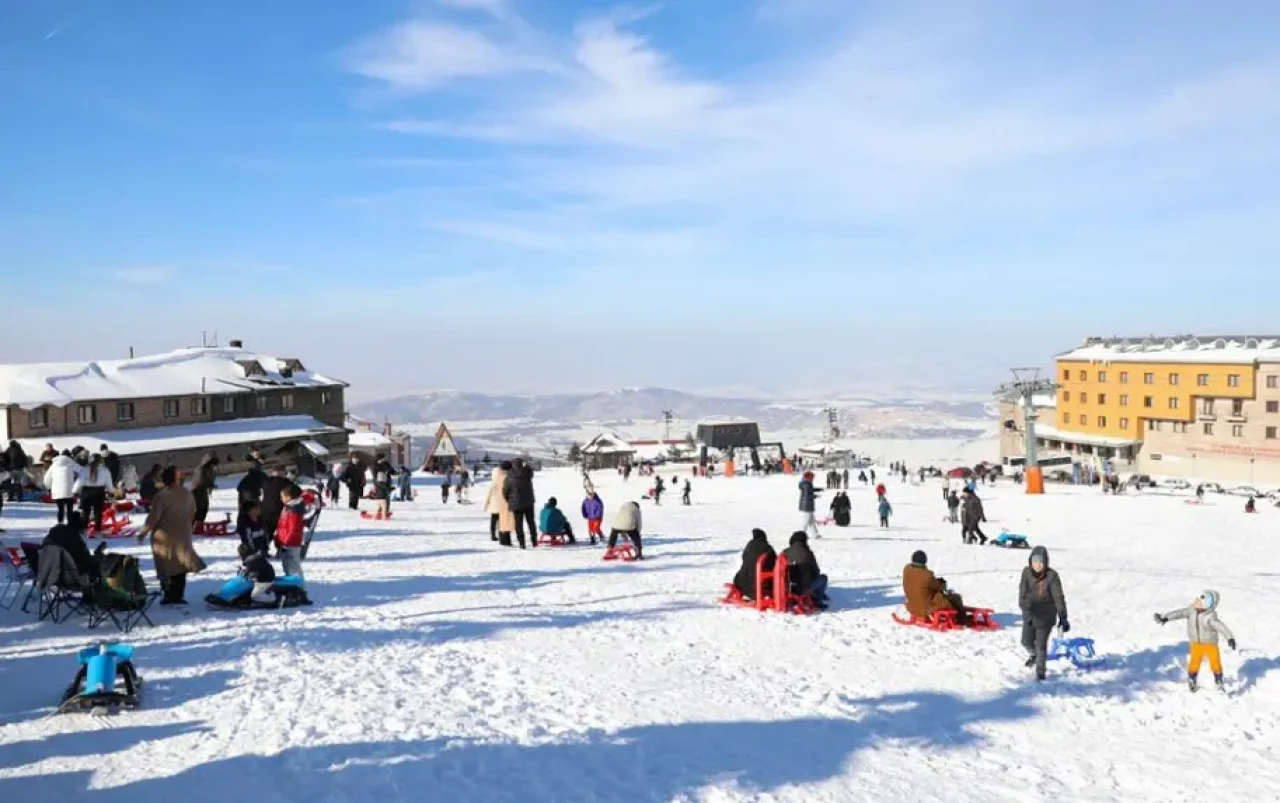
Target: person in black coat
[
  {"x": 802, "y": 570},
  {"x": 205, "y": 482},
  {"x": 841, "y": 509},
  {"x": 745, "y": 579},
  {"x": 112, "y": 461},
  {"x": 149, "y": 484},
  {"x": 353, "y": 477},
  {"x": 517, "y": 489},
  {"x": 18, "y": 462},
  {"x": 69, "y": 536}
]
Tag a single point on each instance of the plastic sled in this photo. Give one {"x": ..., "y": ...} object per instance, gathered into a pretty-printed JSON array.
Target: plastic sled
[
  {"x": 124, "y": 506},
  {"x": 946, "y": 621},
  {"x": 784, "y": 601},
  {"x": 237, "y": 594},
  {"x": 113, "y": 526},
  {"x": 1079, "y": 651},
  {"x": 213, "y": 528},
  {"x": 364, "y": 514},
  {"x": 553, "y": 539},
  {"x": 623, "y": 552},
  {"x": 106, "y": 680},
  {"x": 1010, "y": 541},
  {"x": 763, "y": 600},
  {"x": 1194, "y": 502}
]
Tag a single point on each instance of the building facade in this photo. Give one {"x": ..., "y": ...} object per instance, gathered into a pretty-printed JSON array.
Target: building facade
[
  {"x": 176, "y": 407},
  {"x": 1195, "y": 407}
]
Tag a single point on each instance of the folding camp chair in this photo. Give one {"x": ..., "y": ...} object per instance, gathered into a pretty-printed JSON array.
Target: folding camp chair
[
  {"x": 125, "y": 611},
  {"x": 31, "y": 553},
  {"x": 62, "y": 592},
  {"x": 19, "y": 574}
]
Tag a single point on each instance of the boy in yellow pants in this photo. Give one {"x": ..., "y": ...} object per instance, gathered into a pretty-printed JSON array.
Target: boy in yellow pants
[{"x": 1203, "y": 629}]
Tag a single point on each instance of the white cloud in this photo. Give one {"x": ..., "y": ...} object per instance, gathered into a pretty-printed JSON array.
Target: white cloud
[
  {"x": 151, "y": 275},
  {"x": 418, "y": 55}
]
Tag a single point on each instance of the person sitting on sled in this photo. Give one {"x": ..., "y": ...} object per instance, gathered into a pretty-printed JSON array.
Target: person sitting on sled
[
  {"x": 802, "y": 570},
  {"x": 1042, "y": 602},
  {"x": 256, "y": 568},
  {"x": 552, "y": 521},
  {"x": 290, "y": 531},
  {"x": 1203, "y": 629},
  {"x": 1250, "y": 506},
  {"x": 627, "y": 522},
  {"x": 593, "y": 512},
  {"x": 745, "y": 579},
  {"x": 927, "y": 594}
]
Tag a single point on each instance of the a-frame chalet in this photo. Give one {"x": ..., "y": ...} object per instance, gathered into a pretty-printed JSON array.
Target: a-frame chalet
[{"x": 443, "y": 454}]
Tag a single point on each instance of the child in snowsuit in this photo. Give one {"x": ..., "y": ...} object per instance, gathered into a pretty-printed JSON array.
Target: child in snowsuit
[
  {"x": 249, "y": 528},
  {"x": 291, "y": 529},
  {"x": 886, "y": 510},
  {"x": 257, "y": 569},
  {"x": 953, "y": 505},
  {"x": 593, "y": 512},
  {"x": 1203, "y": 630},
  {"x": 1043, "y": 604}
]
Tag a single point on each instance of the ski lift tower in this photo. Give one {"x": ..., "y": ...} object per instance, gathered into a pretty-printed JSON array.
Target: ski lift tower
[
  {"x": 1026, "y": 385},
  {"x": 667, "y": 417},
  {"x": 833, "y": 424}
]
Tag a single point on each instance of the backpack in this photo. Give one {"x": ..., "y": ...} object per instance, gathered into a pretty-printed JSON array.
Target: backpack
[{"x": 122, "y": 575}]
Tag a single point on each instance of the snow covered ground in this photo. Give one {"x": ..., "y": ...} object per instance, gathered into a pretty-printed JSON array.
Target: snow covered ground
[{"x": 436, "y": 666}]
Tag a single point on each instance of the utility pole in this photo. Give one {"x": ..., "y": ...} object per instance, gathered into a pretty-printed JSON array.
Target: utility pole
[
  {"x": 1026, "y": 385},
  {"x": 667, "y": 417}
]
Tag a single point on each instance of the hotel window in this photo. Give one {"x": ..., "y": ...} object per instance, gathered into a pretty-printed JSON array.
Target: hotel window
[
  {"x": 37, "y": 418},
  {"x": 1148, "y": 401},
  {"x": 260, "y": 403},
  {"x": 1237, "y": 408},
  {"x": 1124, "y": 423},
  {"x": 1102, "y": 376},
  {"x": 1233, "y": 380},
  {"x": 1173, "y": 403},
  {"x": 1066, "y": 418},
  {"x": 1237, "y": 430},
  {"x": 1148, "y": 379},
  {"x": 1206, "y": 407},
  {"x": 1084, "y": 376},
  {"x": 1124, "y": 400},
  {"x": 1124, "y": 377},
  {"x": 171, "y": 408},
  {"x": 1179, "y": 427},
  {"x": 124, "y": 411},
  {"x": 1202, "y": 379},
  {"x": 1273, "y": 382},
  {"x": 286, "y": 401},
  {"x": 1272, "y": 407},
  {"x": 1066, "y": 395},
  {"x": 228, "y": 404},
  {"x": 1173, "y": 379},
  {"x": 1102, "y": 398},
  {"x": 86, "y": 414},
  {"x": 1155, "y": 426},
  {"x": 1102, "y": 421},
  {"x": 1084, "y": 420},
  {"x": 199, "y": 406},
  {"x": 1066, "y": 374},
  {"x": 1208, "y": 429},
  {"x": 1271, "y": 433},
  {"x": 1084, "y": 398}
]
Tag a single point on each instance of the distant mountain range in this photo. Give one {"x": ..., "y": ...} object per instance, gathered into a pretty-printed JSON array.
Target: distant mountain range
[{"x": 647, "y": 404}]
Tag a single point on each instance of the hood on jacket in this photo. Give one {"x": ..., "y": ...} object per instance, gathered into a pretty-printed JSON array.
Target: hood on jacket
[
  {"x": 1042, "y": 553},
  {"x": 759, "y": 535},
  {"x": 918, "y": 558},
  {"x": 799, "y": 537},
  {"x": 1210, "y": 599}
]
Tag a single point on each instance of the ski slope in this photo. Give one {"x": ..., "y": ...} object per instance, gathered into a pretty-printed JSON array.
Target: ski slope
[{"x": 438, "y": 666}]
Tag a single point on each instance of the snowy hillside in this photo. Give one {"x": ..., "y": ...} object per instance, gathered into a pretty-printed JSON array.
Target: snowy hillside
[{"x": 438, "y": 666}]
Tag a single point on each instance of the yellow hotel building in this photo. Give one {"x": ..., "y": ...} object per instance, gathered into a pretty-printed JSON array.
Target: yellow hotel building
[{"x": 1197, "y": 407}]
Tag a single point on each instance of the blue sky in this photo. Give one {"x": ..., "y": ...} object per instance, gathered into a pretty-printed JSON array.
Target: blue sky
[{"x": 541, "y": 194}]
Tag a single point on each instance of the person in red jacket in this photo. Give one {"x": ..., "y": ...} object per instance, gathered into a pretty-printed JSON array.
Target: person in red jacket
[{"x": 290, "y": 529}]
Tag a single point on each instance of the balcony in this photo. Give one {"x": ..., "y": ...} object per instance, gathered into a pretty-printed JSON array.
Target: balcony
[
  {"x": 1237, "y": 417},
  {"x": 1207, "y": 415}
]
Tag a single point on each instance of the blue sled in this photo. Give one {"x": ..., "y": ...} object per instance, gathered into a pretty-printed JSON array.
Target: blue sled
[
  {"x": 106, "y": 679},
  {"x": 237, "y": 593},
  {"x": 1079, "y": 651},
  {"x": 1011, "y": 541}
]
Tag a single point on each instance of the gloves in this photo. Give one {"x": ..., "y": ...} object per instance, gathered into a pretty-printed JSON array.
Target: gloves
[
  {"x": 1231, "y": 643},
  {"x": 1064, "y": 624},
  {"x": 1160, "y": 620}
]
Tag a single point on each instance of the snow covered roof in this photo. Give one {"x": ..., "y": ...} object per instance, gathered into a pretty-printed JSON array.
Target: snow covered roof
[
  {"x": 1046, "y": 431},
  {"x": 206, "y": 435},
  {"x": 608, "y": 443},
  {"x": 1234, "y": 349},
  {"x": 823, "y": 449},
  {"x": 176, "y": 373},
  {"x": 368, "y": 440}
]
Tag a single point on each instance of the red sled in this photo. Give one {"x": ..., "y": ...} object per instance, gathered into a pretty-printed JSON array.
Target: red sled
[
  {"x": 781, "y": 601},
  {"x": 213, "y": 528},
  {"x": 763, "y": 600},
  {"x": 124, "y": 506},
  {"x": 364, "y": 514},
  {"x": 553, "y": 539},
  {"x": 623, "y": 552},
  {"x": 113, "y": 526},
  {"x": 945, "y": 621}
]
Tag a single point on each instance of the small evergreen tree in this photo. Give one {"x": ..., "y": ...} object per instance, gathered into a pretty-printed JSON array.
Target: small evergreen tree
[{"x": 575, "y": 452}]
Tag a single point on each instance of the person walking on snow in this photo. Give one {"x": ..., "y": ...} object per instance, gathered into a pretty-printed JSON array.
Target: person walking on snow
[
  {"x": 808, "y": 496},
  {"x": 953, "y": 506},
  {"x": 593, "y": 512},
  {"x": 1042, "y": 603},
  {"x": 658, "y": 488},
  {"x": 886, "y": 510},
  {"x": 354, "y": 478},
  {"x": 517, "y": 490},
  {"x": 445, "y": 486},
  {"x": 686, "y": 498},
  {"x": 1203, "y": 629},
  {"x": 971, "y": 516},
  {"x": 205, "y": 482},
  {"x": 501, "y": 520}
]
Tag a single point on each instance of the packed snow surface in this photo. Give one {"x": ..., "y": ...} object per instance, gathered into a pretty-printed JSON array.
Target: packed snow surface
[{"x": 437, "y": 666}]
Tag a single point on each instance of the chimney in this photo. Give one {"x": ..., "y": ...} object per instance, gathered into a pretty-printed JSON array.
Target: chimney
[
  {"x": 236, "y": 344},
  {"x": 386, "y": 428}
]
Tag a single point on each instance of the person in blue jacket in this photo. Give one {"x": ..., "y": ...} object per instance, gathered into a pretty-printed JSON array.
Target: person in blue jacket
[
  {"x": 886, "y": 510},
  {"x": 553, "y": 522}
]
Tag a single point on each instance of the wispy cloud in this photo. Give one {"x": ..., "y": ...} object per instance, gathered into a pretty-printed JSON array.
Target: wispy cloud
[{"x": 149, "y": 275}]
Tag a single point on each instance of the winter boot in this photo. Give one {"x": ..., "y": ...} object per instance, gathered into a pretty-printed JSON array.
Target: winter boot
[
  {"x": 1040, "y": 675},
  {"x": 504, "y": 539},
  {"x": 1191, "y": 683},
  {"x": 1218, "y": 681},
  {"x": 1031, "y": 661}
]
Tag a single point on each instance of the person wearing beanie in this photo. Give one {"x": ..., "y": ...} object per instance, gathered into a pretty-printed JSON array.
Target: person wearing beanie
[
  {"x": 926, "y": 594},
  {"x": 1203, "y": 629},
  {"x": 1043, "y": 604},
  {"x": 802, "y": 570},
  {"x": 552, "y": 521},
  {"x": 808, "y": 496},
  {"x": 745, "y": 579}
]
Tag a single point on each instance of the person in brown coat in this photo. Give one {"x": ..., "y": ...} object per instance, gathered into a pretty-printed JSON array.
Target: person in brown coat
[
  {"x": 173, "y": 510},
  {"x": 926, "y": 594},
  {"x": 502, "y": 521}
]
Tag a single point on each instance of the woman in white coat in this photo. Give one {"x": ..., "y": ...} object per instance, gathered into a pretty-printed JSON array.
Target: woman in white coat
[{"x": 60, "y": 478}]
